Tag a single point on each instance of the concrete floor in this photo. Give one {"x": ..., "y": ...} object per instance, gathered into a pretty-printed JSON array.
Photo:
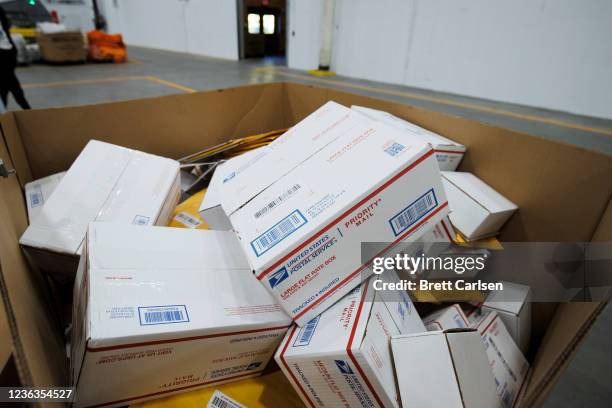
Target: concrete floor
[{"x": 154, "y": 73}]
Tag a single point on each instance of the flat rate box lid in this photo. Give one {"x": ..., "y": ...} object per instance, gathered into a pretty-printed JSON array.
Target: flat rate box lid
[
  {"x": 346, "y": 322},
  {"x": 432, "y": 138},
  {"x": 105, "y": 183},
  {"x": 325, "y": 125},
  {"x": 479, "y": 191},
  {"x": 363, "y": 156},
  {"x": 142, "y": 279},
  {"x": 225, "y": 172}
]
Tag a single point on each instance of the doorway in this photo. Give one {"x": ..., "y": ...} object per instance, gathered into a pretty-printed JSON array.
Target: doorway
[{"x": 262, "y": 29}]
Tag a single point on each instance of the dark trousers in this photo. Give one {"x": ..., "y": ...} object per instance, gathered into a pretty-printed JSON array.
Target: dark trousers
[{"x": 8, "y": 79}]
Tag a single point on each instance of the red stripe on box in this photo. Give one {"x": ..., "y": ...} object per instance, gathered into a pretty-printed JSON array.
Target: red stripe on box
[{"x": 347, "y": 212}]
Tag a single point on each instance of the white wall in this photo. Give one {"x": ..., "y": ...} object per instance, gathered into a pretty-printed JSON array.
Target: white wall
[
  {"x": 205, "y": 27},
  {"x": 554, "y": 54},
  {"x": 304, "y": 28}
]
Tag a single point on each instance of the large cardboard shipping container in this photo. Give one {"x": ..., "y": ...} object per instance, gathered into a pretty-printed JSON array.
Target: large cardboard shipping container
[{"x": 563, "y": 193}]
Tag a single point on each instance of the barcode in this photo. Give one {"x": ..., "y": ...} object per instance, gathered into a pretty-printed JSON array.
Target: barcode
[
  {"x": 413, "y": 212},
  {"x": 187, "y": 220},
  {"x": 220, "y": 400},
  {"x": 277, "y": 201},
  {"x": 507, "y": 398},
  {"x": 140, "y": 220},
  {"x": 394, "y": 149},
  {"x": 278, "y": 232},
  {"x": 162, "y": 314},
  {"x": 36, "y": 198},
  {"x": 305, "y": 334},
  {"x": 459, "y": 321},
  {"x": 157, "y": 317}
]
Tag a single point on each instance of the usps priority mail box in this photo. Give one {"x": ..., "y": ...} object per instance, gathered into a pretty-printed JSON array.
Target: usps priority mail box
[
  {"x": 162, "y": 310},
  {"x": 335, "y": 180},
  {"x": 343, "y": 357}
]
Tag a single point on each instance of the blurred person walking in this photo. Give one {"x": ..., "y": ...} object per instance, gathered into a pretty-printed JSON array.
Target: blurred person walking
[{"x": 8, "y": 62}]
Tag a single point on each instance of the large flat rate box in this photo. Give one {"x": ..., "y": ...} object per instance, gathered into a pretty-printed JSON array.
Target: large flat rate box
[
  {"x": 161, "y": 309},
  {"x": 563, "y": 193},
  {"x": 334, "y": 180}
]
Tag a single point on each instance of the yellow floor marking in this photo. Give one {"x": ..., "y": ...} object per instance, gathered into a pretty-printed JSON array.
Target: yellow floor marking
[
  {"x": 107, "y": 80},
  {"x": 82, "y": 82},
  {"x": 171, "y": 84}
]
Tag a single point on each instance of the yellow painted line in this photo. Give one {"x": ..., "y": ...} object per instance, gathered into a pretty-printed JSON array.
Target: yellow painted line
[
  {"x": 108, "y": 80},
  {"x": 441, "y": 101},
  {"x": 82, "y": 82},
  {"x": 171, "y": 84}
]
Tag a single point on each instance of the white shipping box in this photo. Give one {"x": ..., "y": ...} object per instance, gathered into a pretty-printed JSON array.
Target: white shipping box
[
  {"x": 37, "y": 192},
  {"x": 160, "y": 310},
  {"x": 443, "y": 369},
  {"x": 343, "y": 356},
  {"x": 513, "y": 305},
  {"x": 333, "y": 181},
  {"x": 105, "y": 183},
  {"x": 508, "y": 364},
  {"x": 451, "y": 317},
  {"x": 477, "y": 210},
  {"x": 210, "y": 209},
  {"x": 448, "y": 153}
]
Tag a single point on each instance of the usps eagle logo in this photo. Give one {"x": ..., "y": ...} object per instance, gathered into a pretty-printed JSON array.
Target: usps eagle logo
[
  {"x": 343, "y": 366},
  {"x": 277, "y": 277}
]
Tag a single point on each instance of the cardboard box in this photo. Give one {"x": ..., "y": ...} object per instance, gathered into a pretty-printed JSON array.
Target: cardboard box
[
  {"x": 37, "y": 192},
  {"x": 210, "y": 208},
  {"x": 448, "y": 153},
  {"x": 477, "y": 210},
  {"x": 302, "y": 210},
  {"x": 443, "y": 369},
  {"x": 41, "y": 142},
  {"x": 451, "y": 317},
  {"x": 158, "y": 310},
  {"x": 508, "y": 364},
  {"x": 62, "y": 46},
  {"x": 513, "y": 305},
  {"x": 343, "y": 357},
  {"x": 105, "y": 183}
]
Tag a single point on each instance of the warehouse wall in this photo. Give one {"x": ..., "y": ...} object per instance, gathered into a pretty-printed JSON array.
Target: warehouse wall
[
  {"x": 304, "y": 28},
  {"x": 546, "y": 53},
  {"x": 205, "y": 27}
]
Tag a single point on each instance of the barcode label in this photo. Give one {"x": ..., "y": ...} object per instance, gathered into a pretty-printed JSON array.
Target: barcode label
[
  {"x": 507, "y": 398},
  {"x": 394, "y": 149},
  {"x": 187, "y": 220},
  {"x": 459, "y": 321},
  {"x": 36, "y": 198},
  {"x": 414, "y": 212},
  {"x": 220, "y": 400},
  {"x": 278, "y": 232},
  {"x": 140, "y": 220},
  {"x": 305, "y": 334},
  {"x": 294, "y": 189},
  {"x": 151, "y": 315}
]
